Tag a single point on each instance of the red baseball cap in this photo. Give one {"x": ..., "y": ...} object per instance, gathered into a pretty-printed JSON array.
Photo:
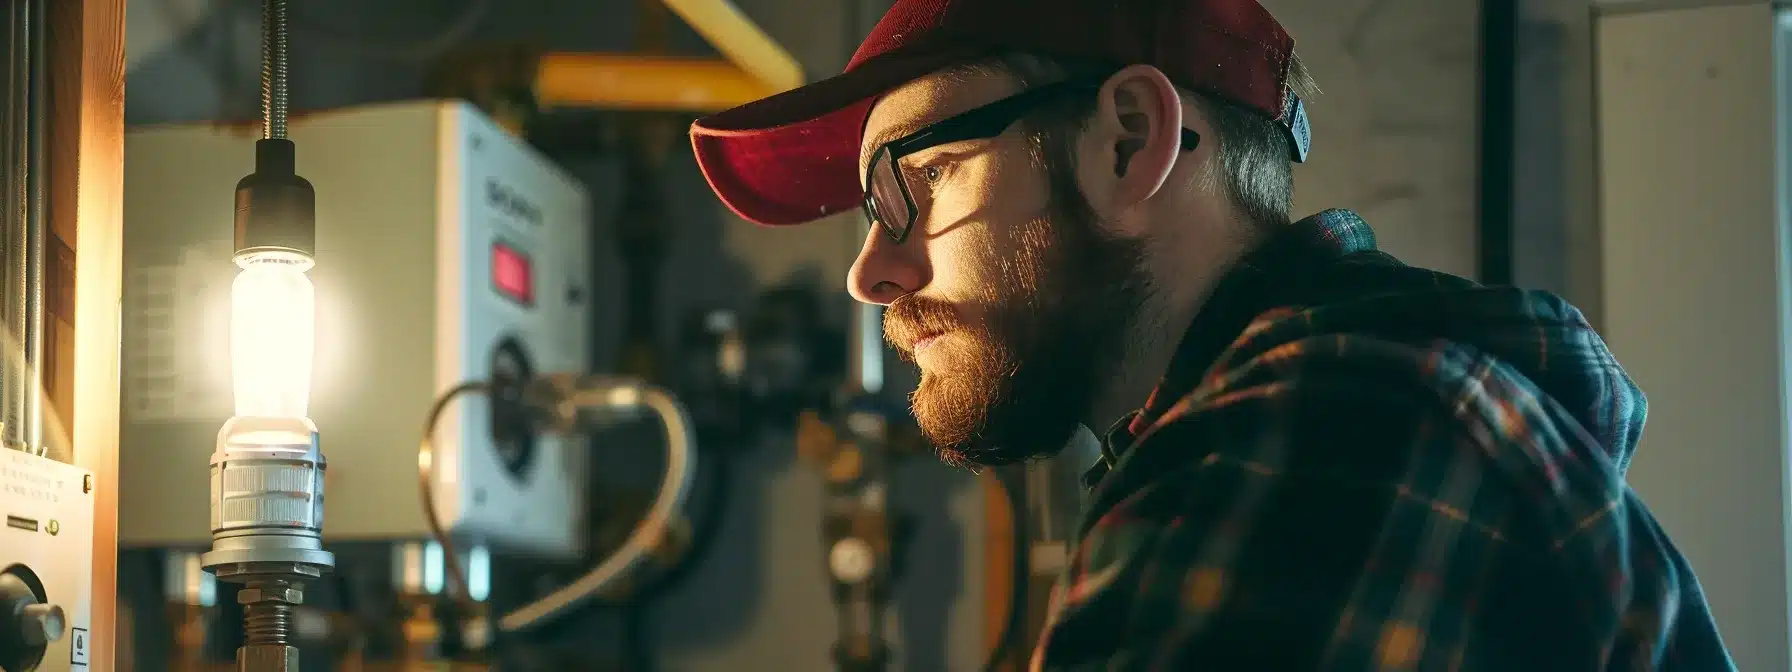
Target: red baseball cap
[{"x": 793, "y": 157}]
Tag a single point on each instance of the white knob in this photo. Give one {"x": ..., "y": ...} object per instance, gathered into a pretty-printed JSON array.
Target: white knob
[{"x": 42, "y": 624}]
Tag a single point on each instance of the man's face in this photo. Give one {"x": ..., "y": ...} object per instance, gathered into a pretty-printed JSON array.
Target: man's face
[{"x": 1009, "y": 295}]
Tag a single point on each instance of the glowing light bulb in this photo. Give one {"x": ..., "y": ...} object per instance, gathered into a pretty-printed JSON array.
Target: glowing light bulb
[{"x": 273, "y": 323}]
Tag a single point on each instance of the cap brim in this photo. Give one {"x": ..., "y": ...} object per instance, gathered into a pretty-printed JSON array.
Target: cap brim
[{"x": 793, "y": 157}]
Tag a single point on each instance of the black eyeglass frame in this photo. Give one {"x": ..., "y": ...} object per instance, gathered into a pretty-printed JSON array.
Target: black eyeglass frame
[{"x": 979, "y": 123}]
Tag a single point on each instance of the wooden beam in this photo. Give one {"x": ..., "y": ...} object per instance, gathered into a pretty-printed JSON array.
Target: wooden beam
[{"x": 86, "y": 210}]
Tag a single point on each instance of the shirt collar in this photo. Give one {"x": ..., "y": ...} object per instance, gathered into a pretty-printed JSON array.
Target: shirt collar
[{"x": 1242, "y": 295}]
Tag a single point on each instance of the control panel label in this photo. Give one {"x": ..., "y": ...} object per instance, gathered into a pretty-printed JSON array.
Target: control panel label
[
  {"x": 24, "y": 481},
  {"x": 502, "y": 198}
]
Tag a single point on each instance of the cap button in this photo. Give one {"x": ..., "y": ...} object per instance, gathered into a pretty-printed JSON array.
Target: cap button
[{"x": 42, "y": 624}]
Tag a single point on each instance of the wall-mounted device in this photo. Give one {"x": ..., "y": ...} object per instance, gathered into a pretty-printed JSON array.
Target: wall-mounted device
[
  {"x": 455, "y": 253},
  {"x": 45, "y": 577}
]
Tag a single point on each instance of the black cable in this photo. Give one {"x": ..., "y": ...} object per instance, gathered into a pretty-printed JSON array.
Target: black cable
[{"x": 1007, "y": 642}]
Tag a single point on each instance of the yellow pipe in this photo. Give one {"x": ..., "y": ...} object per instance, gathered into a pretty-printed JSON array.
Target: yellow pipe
[
  {"x": 631, "y": 82},
  {"x": 741, "y": 41}
]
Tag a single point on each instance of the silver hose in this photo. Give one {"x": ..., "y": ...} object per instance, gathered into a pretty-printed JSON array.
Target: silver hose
[
  {"x": 648, "y": 535},
  {"x": 576, "y": 398},
  {"x": 273, "y": 69}
]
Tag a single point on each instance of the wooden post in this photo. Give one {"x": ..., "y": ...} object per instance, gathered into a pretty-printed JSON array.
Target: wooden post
[{"x": 86, "y": 211}]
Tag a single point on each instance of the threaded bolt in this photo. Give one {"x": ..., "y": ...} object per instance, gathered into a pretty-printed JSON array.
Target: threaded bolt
[{"x": 268, "y": 623}]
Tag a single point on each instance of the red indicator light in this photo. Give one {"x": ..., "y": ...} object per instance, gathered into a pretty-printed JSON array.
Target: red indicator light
[{"x": 512, "y": 274}]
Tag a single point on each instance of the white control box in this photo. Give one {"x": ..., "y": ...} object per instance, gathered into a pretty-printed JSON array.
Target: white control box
[
  {"x": 445, "y": 246},
  {"x": 46, "y": 549}
]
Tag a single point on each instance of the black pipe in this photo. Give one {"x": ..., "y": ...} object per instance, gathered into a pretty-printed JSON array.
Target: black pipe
[{"x": 1499, "y": 136}]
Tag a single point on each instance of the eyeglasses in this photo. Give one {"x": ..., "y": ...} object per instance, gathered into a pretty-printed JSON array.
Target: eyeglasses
[{"x": 888, "y": 202}]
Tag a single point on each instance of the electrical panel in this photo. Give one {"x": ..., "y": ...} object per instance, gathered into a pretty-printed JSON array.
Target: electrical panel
[
  {"x": 447, "y": 250},
  {"x": 46, "y": 564}
]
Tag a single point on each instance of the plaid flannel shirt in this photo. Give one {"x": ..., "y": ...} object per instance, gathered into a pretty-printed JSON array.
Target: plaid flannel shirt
[{"x": 1353, "y": 464}]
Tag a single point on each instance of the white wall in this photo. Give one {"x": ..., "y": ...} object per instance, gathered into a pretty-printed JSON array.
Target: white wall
[
  {"x": 1692, "y": 152},
  {"x": 1395, "y": 131}
]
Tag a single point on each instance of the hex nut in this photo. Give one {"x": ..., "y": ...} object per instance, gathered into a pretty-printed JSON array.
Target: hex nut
[
  {"x": 254, "y": 595},
  {"x": 267, "y": 658}
]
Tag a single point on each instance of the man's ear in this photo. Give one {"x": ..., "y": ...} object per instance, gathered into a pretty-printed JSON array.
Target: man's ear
[{"x": 1142, "y": 113}]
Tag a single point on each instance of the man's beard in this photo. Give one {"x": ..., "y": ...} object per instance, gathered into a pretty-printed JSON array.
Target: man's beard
[{"x": 1056, "y": 329}]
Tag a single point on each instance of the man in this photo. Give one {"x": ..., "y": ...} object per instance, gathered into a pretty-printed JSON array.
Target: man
[{"x": 1315, "y": 457}]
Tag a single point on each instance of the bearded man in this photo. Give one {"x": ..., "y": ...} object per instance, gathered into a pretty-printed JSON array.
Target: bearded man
[{"x": 1314, "y": 456}]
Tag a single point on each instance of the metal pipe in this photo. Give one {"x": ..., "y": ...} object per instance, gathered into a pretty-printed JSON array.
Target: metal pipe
[
  {"x": 14, "y": 204},
  {"x": 37, "y": 226},
  {"x": 24, "y": 226},
  {"x": 9, "y": 117},
  {"x": 628, "y": 81},
  {"x": 755, "y": 67},
  {"x": 740, "y": 41}
]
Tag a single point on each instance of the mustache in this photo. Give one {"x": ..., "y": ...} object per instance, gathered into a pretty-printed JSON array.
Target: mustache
[{"x": 911, "y": 318}]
